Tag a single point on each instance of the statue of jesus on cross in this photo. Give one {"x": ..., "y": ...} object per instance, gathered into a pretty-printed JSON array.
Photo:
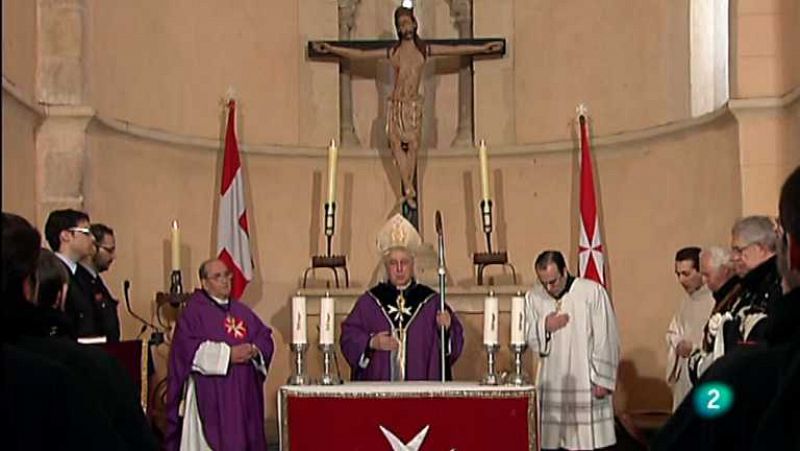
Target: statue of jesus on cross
[{"x": 407, "y": 56}]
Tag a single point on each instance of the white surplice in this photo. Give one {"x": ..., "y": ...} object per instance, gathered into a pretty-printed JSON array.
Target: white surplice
[
  {"x": 687, "y": 324},
  {"x": 582, "y": 353}
]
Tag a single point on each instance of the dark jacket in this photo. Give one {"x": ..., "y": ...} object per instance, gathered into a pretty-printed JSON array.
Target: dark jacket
[
  {"x": 78, "y": 305},
  {"x": 765, "y": 382},
  {"x": 104, "y": 306}
]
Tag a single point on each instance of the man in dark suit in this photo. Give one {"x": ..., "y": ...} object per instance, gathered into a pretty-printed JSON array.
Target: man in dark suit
[
  {"x": 89, "y": 270},
  {"x": 68, "y": 234},
  {"x": 57, "y": 394}
]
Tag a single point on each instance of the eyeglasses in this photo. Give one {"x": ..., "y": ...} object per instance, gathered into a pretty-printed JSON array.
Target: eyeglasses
[
  {"x": 739, "y": 250},
  {"x": 83, "y": 230},
  {"x": 109, "y": 249}
]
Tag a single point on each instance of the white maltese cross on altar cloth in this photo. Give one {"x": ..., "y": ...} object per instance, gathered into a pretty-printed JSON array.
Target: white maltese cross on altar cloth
[{"x": 413, "y": 445}]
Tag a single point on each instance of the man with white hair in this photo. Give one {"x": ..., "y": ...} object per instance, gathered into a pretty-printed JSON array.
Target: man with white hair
[
  {"x": 754, "y": 241},
  {"x": 741, "y": 320},
  {"x": 764, "y": 379},
  {"x": 717, "y": 272},
  {"x": 392, "y": 333}
]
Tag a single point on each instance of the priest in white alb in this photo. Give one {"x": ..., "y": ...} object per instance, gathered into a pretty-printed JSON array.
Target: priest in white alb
[
  {"x": 572, "y": 327},
  {"x": 685, "y": 331}
]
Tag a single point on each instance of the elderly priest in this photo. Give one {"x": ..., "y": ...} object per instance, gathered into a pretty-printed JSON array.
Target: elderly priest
[
  {"x": 217, "y": 366},
  {"x": 392, "y": 333}
]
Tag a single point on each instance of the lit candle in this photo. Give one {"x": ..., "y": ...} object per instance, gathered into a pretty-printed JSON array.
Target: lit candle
[
  {"x": 484, "y": 160},
  {"x": 326, "y": 321},
  {"x": 517, "y": 320},
  {"x": 299, "y": 320},
  {"x": 333, "y": 154},
  {"x": 490, "y": 320},
  {"x": 176, "y": 246}
]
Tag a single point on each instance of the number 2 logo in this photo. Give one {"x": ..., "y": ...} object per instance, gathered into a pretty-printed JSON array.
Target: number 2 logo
[{"x": 712, "y": 399}]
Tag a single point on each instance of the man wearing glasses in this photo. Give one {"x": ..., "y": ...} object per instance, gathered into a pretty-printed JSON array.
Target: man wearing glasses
[
  {"x": 91, "y": 266},
  {"x": 218, "y": 363},
  {"x": 754, "y": 242},
  {"x": 68, "y": 234}
]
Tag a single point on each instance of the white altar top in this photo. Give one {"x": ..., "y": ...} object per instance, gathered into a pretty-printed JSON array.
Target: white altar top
[{"x": 411, "y": 387}]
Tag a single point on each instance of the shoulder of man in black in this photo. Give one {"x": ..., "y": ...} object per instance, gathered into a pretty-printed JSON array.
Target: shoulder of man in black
[
  {"x": 104, "y": 380},
  {"x": 50, "y": 407},
  {"x": 752, "y": 373}
]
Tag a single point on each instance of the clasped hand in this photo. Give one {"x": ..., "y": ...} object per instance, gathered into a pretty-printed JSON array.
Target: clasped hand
[
  {"x": 384, "y": 341},
  {"x": 242, "y": 353}
]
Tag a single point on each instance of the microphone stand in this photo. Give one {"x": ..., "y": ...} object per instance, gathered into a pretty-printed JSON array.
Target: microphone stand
[
  {"x": 442, "y": 291},
  {"x": 157, "y": 336}
]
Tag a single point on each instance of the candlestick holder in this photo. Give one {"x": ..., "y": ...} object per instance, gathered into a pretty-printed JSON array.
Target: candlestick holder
[
  {"x": 175, "y": 282},
  {"x": 483, "y": 259},
  {"x": 299, "y": 376},
  {"x": 490, "y": 378},
  {"x": 519, "y": 376},
  {"x": 332, "y": 262},
  {"x": 175, "y": 297},
  {"x": 328, "y": 360}
]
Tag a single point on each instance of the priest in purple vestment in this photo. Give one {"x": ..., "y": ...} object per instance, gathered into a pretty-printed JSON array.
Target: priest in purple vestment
[
  {"x": 392, "y": 333},
  {"x": 217, "y": 367}
]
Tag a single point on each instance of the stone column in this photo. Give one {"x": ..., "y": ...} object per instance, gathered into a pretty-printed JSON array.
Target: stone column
[
  {"x": 461, "y": 12},
  {"x": 60, "y": 88},
  {"x": 763, "y": 98},
  {"x": 347, "y": 130}
]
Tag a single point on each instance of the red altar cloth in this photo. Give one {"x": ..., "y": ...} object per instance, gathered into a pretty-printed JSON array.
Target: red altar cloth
[{"x": 458, "y": 416}]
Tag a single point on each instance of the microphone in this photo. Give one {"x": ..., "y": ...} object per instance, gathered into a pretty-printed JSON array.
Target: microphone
[{"x": 157, "y": 337}]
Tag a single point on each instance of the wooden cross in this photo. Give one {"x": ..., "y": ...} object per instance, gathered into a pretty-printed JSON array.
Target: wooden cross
[{"x": 404, "y": 119}]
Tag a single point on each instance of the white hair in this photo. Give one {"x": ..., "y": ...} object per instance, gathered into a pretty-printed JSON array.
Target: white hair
[
  {"x": 757, "y": 230},
  {"x": 718, "y": 256}
]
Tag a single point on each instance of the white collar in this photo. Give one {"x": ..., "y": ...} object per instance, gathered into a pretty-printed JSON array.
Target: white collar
[
  {"x": 67, "y": 261},
  {"x": 218, "y": 300},
  {"x": 701, "y": 292}
]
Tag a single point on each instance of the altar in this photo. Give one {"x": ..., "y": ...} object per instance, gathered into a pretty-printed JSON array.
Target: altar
[{"x": 424, "y": 416}]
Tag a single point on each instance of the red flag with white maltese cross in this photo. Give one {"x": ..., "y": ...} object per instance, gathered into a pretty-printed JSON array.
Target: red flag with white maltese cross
[
  {"x": 590, "y": 248},
  {"x": 233, "y": 240}
]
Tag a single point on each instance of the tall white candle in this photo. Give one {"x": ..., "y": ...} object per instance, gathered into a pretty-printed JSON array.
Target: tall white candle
[
  {"x": 484, "y": 160},
  {"x": 333, "y": 155},
  {"x": 517, "y": 320},
  {"x": 299, "y": 320},
  {"x": 176, "y": 246},
  {"x": 326, "y": 321},
  {"x": 490, "y": 320}
]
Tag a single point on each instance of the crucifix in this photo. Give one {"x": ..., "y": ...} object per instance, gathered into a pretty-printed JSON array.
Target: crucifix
[{"x": 407, "y": 55}]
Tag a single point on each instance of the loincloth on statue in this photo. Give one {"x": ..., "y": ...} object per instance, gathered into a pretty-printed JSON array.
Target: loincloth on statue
[{"x": 404, "y": 118}]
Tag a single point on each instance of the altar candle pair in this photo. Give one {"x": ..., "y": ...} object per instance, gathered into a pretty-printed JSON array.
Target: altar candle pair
[
  {"x": 326, "y": 320},
  {"x": 490, "y": 320}
]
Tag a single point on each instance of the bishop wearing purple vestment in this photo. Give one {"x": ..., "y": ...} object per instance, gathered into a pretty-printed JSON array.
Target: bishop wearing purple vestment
[
  {"x": 217, "y": 367},
  {"x": 392, "y": 333}
]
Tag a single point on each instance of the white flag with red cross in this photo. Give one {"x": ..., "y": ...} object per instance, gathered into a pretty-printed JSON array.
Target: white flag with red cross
[{"x": 233, "y": 240}]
